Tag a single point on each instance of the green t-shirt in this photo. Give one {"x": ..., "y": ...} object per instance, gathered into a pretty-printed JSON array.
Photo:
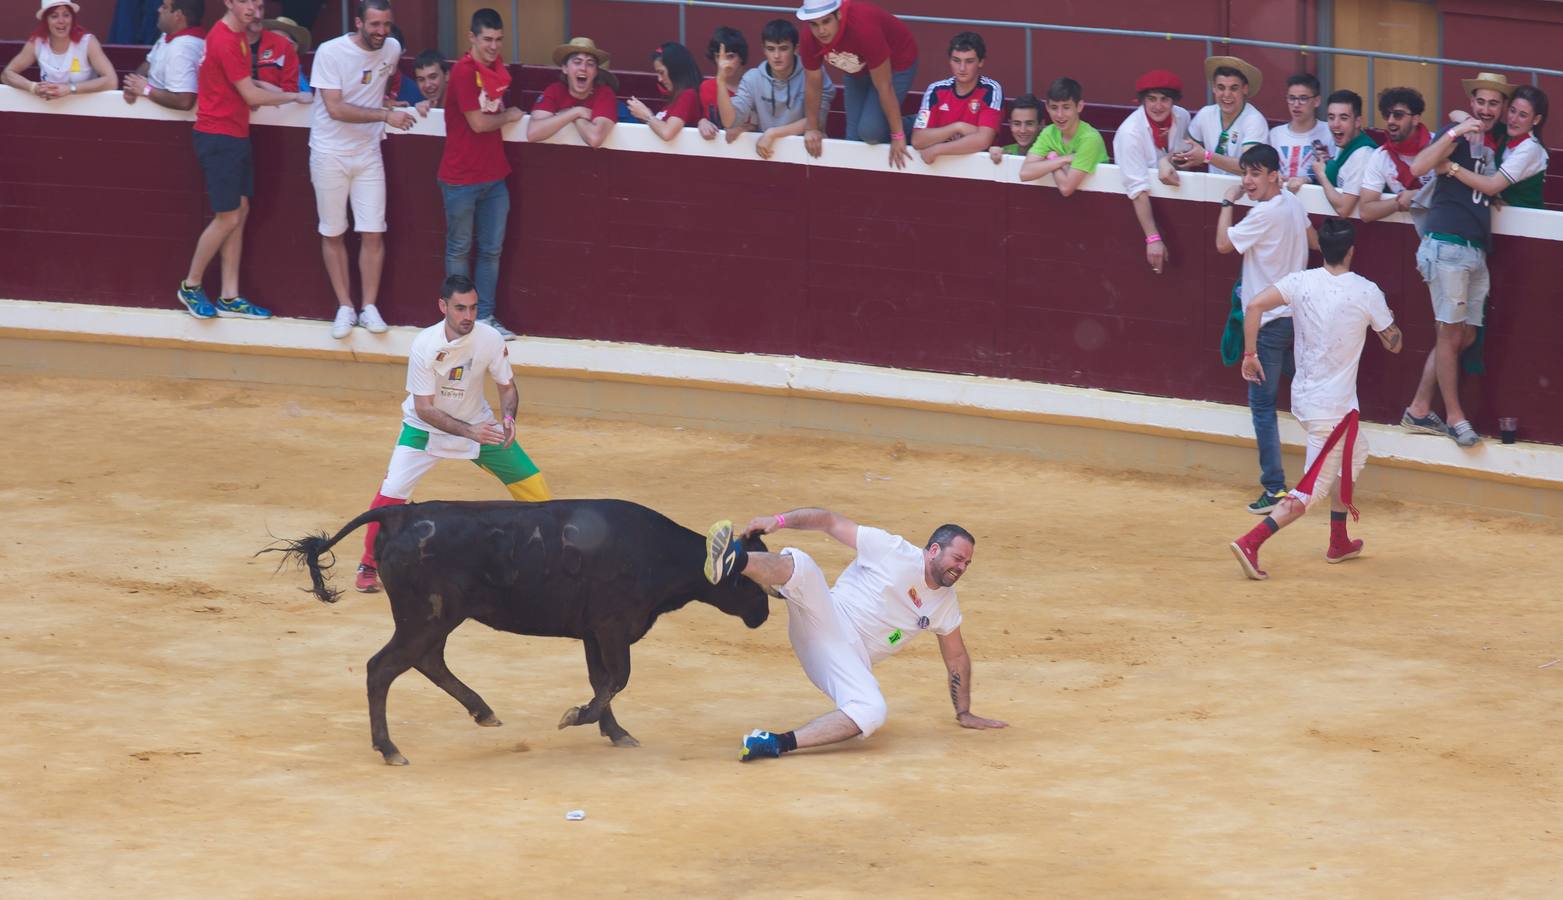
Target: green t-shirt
[
  {"x": 1088, "y": 149},
  {"x": 1014, "y": 150}
]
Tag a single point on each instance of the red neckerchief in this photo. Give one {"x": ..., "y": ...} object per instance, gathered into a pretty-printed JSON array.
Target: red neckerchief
[
  {"x": 1411, "y": 146},
  {"x": 1160, "y": 131},
  {"x": 495, "y": 79},
  {"x": 1519, "y": 140},
  {"x": 195, "y": 31},
  {"x": 1490, "y": 139},
  {"x": 1347, "y": 429}
]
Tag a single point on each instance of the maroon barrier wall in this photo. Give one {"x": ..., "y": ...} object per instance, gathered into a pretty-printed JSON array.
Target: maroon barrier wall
[{"x": 890, "y": 269}]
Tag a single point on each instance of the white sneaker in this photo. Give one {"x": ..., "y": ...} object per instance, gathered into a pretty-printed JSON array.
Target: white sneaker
[
  {"x": 345, "y": 320},
  {"x": 504, "y": 332},
  {"x": 370, "y": 319}
]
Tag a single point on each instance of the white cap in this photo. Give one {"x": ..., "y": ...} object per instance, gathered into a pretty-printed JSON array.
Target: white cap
[{"x": 817, "y": 9}]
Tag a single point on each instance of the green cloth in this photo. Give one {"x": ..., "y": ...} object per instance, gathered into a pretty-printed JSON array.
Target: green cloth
[
  {"x": 1360, "y": 142},
  {"x": 1232, "y": 336},
  {"x": 509, "y": 465},
  {"x": 1088, "y": 149},
  {"x": 1014, "y": 150}
]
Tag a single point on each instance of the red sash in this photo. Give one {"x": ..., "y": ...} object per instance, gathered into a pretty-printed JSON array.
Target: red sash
[
  {"x": 1347, "y": 428},
  {"x": 1411, "y": 146}
]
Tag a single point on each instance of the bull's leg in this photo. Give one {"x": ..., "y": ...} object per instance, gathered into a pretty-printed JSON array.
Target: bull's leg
[
  {"x": 433, "y": 667},
  {"x": 406, "y": 647},
  {"x": 607, "y": 724},
  {"x": 608, "y": 668}
]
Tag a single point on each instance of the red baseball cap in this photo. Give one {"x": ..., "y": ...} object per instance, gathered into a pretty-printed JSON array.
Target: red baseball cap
[{"x": 1158, "y": 80}]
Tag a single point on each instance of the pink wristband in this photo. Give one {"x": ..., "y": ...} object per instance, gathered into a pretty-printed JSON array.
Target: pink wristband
[
  {"x": 146, "y": 90},
  {"x": 1208, "y": 156},
  {"x": 1153, "y": 239},
  {"x": 781, "y": 521},
  {"x": 898, "y": 136}
]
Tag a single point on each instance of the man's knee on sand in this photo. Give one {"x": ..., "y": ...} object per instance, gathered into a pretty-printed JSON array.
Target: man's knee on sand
[{"x": 868, "y": 714}]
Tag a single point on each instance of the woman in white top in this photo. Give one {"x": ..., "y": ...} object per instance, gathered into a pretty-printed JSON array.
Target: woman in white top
[{"x": 69, "y": 60}]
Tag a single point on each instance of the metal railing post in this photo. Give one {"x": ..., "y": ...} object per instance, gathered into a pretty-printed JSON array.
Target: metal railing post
[
  {"x": 1210, "y": 92},
  {"x": 682, "y": 37},
  {"x": 1371, "y": 100},
  {"x": 1029, "y": 88}
]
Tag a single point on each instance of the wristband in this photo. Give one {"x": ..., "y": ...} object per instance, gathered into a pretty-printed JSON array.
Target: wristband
[
  {"x": 781, "y": 521},
  {"x": 1208, "y": 156},
  {"x": 1153, "y": 239},
  {"x": 1248, "y": 353},
  {"x": 147, "y": 90},
  {"x": 898, "y": 136}
]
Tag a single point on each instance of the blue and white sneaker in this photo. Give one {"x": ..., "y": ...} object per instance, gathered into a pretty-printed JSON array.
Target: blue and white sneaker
[
  {"x": 760, "y": 744},
  {"x": 240, "y": 308},
  {"x": 195, "y": 303}
]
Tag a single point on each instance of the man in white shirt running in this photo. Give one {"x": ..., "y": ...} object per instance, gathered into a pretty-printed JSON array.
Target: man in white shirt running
[
  {"x": 1332, "y": 308},
  {"x": 890, "y": 593},
  {"x": 351, "y": 74},
  {"x": 446, "y": 415}
]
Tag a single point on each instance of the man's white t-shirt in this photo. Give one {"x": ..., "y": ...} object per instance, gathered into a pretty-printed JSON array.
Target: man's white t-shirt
[
  {"x": 361, "y": 75},
  {"x": 1135, "y": 150},
  {"x": 1352, "y": 171},
  {"x": 1331, "y": 315},
  {"x": 1248, "y": 128},
  {"x": 886, "y": 597},
  {"x": 1297, "y": 149},
  {"x": 1381, "y": 175},
  {"x": 1273, "y": 238},
  {"x": 172, "y": 65},
  {"x": 452, "y": 373}
]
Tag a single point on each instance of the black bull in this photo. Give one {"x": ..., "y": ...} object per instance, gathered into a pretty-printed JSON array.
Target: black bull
[{"x": 601, "y": 571}]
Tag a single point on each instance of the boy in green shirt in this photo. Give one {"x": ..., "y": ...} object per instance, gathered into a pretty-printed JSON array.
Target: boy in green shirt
[{"x": 1068, "y": 149}]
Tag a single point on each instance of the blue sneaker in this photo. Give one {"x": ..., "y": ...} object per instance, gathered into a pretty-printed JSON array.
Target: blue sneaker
[
  {"x": 195, "y": 302},
  {"x": 760, "y": 743},
  {"x": 240, "y": 308}
]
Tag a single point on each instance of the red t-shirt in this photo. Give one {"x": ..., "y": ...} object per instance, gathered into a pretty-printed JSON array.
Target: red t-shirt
[
  {"x": 469, "y": 157},
  {"x": 867, "y": 37},
  {"x": 685, "y": 106},
  {"x": 219, "y": 108},
  {"x": 942, "y": 106},
  {"x": 708, "y": 101},
  {"x": 557, "y": 98},
  {"x": 276, "y": 61}
]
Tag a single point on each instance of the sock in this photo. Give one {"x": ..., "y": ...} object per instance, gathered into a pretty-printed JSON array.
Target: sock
[
  {"x": 740, "y": 560},
  {"x": 1338, "y": 533},
  {"x": 788, "y": 741},
  {"x": 1261, "y": 532},
  {"x": 373, "y": 530}
]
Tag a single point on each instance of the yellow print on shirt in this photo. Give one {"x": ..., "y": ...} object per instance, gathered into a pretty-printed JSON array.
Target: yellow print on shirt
[{"x": 75, "y": 65}]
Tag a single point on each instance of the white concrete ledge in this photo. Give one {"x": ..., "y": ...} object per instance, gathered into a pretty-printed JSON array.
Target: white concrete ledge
[{"x": 1528, "y": 464}]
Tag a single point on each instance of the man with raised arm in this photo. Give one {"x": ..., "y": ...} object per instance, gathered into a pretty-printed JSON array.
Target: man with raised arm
[
  {"x": 771, "y": 93},
  {"x": 891, "y": 592}
]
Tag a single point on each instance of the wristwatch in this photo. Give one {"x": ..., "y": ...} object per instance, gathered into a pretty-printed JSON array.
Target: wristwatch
[
  {"x": 1225, "y": 202},
  {"x": 1454, "y": 167},
  {"x": 73, "y": 87}
]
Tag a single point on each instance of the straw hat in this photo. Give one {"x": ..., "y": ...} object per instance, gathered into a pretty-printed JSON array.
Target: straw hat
[
  {"x": 51, "y": 4},
  {"x": 300, "y": 35},
  {"x": 581, "y": 45},
  {"x": 1491, "y": 82},
  {"x": 1250, "y": 72}
]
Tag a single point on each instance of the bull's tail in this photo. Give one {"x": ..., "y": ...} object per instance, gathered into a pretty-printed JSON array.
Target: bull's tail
[{"x": 306, "y": 551}]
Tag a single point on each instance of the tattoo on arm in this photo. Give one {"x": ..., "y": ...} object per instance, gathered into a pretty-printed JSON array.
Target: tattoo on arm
[
  {"x": 955, "y": 691},
  {"x": 1391, "y": 337}
]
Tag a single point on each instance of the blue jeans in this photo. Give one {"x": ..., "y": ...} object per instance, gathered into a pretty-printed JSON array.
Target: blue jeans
[
  {"x": 865, "y": 117},
  {"x": 1275, "y": 357},
  {"x": 479, "y": 209}
]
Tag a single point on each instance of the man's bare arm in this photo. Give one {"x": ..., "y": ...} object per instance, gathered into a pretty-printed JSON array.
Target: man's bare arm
[
  {"x": 1391, "y": 339},
  {"x": 808, "y": 518},
  {"x": 957, "y": 665}
]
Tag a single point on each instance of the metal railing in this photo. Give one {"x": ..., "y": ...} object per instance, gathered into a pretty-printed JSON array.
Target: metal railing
[{"x": 1209, "y": 40}]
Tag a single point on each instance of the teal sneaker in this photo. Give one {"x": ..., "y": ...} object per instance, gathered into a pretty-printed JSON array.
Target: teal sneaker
[
  {"x": 760, "y": 744},
  {"x": 193, "y": 299},
  {"x": 240, "y": 308},
  {"x": 1266, "y": 502}
]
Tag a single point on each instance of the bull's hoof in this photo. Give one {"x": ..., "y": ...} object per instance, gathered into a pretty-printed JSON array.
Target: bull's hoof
[
  {"x": 625, "y": 740},
  {"x": 395, "y": 758},
  {"x": 488, "y": 720},
  {"x": 572, "y": 716}
]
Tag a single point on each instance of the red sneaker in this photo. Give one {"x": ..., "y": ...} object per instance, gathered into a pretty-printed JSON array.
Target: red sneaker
[
  {"x": 368, "y": 581},
  {"x": 1339, "y": 553},
  {"x": 1248, "y": 558}
]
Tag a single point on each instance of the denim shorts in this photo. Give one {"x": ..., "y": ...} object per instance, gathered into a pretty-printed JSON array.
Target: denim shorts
[
  {"x": 229, "y": 167},
  {"x": 1456, "y": 275}
]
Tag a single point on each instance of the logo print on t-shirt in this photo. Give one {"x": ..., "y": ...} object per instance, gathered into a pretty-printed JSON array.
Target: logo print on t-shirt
[
  {"x": 916, "y": 600},
  {"x": 974, "y": 105},
  {"x": 368, "y": 75},
  {"x": 922, "y": 622},
  {"x": 456, "y": 373},
  {"x": 849, "y": 63}
]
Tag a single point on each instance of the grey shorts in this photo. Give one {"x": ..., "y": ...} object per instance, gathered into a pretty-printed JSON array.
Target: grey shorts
[{"x": 1456, "y": 276}]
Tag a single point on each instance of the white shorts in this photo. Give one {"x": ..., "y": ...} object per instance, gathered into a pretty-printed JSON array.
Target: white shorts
[
  {"x": 1319, "y": 432},
  {"x": 337, "y": 180},
  {"x": 828, "y": 645}
]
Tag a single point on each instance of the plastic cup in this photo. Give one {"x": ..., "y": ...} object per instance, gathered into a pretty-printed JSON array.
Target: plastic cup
[{"x": 1508, "y": 427}]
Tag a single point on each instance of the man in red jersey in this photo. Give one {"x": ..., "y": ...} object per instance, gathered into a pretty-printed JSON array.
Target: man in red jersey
[
  {"x": 224, "y": 95},
  {"x": 473, "y": 167},
  {"x": 879, "y": 57}
]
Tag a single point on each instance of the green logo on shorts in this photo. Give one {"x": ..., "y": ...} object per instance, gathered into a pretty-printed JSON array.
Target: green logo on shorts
[{"x": 895, "y": 637}]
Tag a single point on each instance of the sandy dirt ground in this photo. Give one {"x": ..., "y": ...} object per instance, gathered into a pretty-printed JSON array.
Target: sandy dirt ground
[{"x": 180, "y": 720}]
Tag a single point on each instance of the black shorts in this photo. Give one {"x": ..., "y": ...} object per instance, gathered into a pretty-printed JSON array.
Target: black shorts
[{"x": 229, "y": 166}]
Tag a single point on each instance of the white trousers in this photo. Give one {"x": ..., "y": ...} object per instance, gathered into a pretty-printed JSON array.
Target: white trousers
[
  {"x": 338, "y": 180},
  {"x": 828, "y": 646}
]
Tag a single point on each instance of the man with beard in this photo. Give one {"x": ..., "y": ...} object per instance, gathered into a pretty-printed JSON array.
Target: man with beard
[
  {"x": 1341, "y": 175},
  {"x": 1388, "y": 185},
  {"x": 891, "y": 592},
  {"x": 351, "y": 75},
  {"x": 168, "y": 76},
  {"x": 1144, "y": 142}
]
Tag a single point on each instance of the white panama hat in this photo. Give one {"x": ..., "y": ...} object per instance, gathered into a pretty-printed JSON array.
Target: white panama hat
[{"x": 817, "y": 9}]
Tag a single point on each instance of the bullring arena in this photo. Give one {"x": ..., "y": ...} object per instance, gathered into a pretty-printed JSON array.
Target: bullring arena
[{"x": 184, "y": 720}]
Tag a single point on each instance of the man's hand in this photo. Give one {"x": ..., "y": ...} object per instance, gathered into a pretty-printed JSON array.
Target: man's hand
[
  {"x": 1168, "y": 173},
  {"x": 766, "y": 145},
  {"x": 1318, "y": 169},
  {"x": 1403, "y": 200},
  {"x": 814, "y": 142},
  {"x": 996, "y": 153},
  {"x": 929, "y": 154},
  {"x": 1295, "y": 184},
  {"x": 759, "y": 525},
  {"x": 134, "y": 84},
  {"x": 488, "y": 433},
  {"x": 899, "y": 155},
  {"x": 972, "y": 720},
  {"x": 1252, "y": 370},
  {"x": 423, "y": 108},
  {"x": 1234, "y": 192},
  {"x": 510, "y": 432},
  {"x": 1190, "y": 154},
  {"x": 1156, "y": 254},
  {"x": 707, "y": 128},
  {"x": 400, "y": 119}
]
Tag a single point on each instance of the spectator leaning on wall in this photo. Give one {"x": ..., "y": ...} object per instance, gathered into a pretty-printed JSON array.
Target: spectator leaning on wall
[
  {"x": 1025, "y": 123},
  {"x": 473, "y": 167},
  {"x": 1222, "y": 131},
  {"x": 347, "y": 124},
  {"x": 728, "y": 51},
  {"x": 1302, "y": 137},
  {"x": 69, "y": 60},
  {"x": 1388, "y": 169},
  {"x": 879, "y": 57},
  {"x": 167, "y": 76},
  {"x": 1144, "y": 143},
  {"x": 960, "y": 114},
  {"x": 431, "y": 72},
  {"x": 274, "y": 54},
  {"x": 678, "y": 75},
  {"x": 1341, "y": 175},
  {"x": 582, "y": 96},
  {"x": 773, "y": 93},
  {"x": 1069, "y": 149}
]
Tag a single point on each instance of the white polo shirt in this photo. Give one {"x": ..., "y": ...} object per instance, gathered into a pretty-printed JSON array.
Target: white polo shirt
[{"x": 1248, "y": 128}]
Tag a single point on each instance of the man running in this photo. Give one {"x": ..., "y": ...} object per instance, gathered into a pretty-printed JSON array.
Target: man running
[
  {"x": 446, "y": 416},
  {"x": 890, "y": 593},
  {"x": 1331, "y": 306}
]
